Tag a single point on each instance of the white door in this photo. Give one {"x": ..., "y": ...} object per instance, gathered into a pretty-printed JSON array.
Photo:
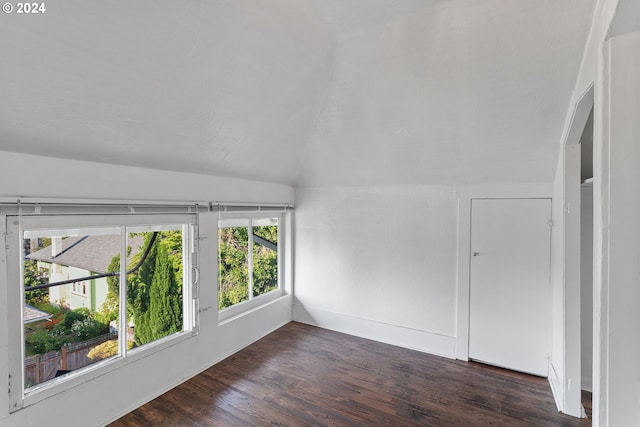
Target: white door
[{"x": 510, "y": 300}]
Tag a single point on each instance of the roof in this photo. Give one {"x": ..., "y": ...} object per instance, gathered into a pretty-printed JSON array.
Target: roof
[
  {"x": 32, "y": 314},
  {"x": 91, "y": 253}
]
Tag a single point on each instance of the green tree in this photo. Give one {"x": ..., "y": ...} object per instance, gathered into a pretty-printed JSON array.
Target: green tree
[
  {"x": 163, "y": 315},
  {"x": 138, "y": 286},
  {"x": 233, "y": 286},
  {"x": 166, "y": 298},
  {"x": 265, "y": 261},
  {"x": 233, "y": 281},
  {"x": 33, "y": 277},
  {"x": 154, "y": 290},
  {"x": 109, "y": 309}
]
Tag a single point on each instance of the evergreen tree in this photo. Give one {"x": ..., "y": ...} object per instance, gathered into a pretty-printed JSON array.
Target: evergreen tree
[
  {"x": 165, "y": 307},
  {"x": 157, "y": 305},
  {"x": 138, "y": 291},
  {"x": 154, "y": 291}
]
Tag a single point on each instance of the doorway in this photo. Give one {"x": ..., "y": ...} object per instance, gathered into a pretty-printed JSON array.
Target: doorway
[
  {"x": 586, "y": 259},
  {"x": 577, "y": 323}
]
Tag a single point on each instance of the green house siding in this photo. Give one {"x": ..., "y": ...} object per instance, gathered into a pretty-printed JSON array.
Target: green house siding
[
  {"x": 99, "y": 290},
  {"x": 93, "y": 295}
]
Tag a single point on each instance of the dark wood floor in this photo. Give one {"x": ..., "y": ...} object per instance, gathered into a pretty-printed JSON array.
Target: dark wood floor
[
  {"x": 587, "y": 397},
  {"x": 302, "y": 375}
]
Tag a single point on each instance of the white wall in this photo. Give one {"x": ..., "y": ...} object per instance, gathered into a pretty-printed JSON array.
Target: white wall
[
  {"x": 37, "y": 176},
  {"x": 391, "y": 263},
  {"x": 617, "y": 234},
  {"x": 379, "y": 263},
  {"x": 556, "y": 368},
  {"x": 111, "y": 395}
]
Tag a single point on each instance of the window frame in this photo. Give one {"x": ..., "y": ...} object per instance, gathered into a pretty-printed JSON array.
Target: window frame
[
  {"x": 230, "y": 219},
  {"x": 83, "y": 291},
  {"x": 15, "y": 225}
]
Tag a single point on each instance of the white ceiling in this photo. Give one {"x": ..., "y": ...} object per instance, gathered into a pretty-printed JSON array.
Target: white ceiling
[{"x": 304, "y": 92}]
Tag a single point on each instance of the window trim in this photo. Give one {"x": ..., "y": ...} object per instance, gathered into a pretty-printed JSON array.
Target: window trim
[
  {"x": 15, "y": 225},
  {"x": 83, "y": 291},
  {"x": 239, "y": 219}
]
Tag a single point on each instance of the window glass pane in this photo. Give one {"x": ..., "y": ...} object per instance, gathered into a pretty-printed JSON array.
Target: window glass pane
[
  {"x": 265, "y": 257},
  {"x": 154, "y": 283},
  {"x": 72, "y": 324},
  {"x": 233, "y": 280}
]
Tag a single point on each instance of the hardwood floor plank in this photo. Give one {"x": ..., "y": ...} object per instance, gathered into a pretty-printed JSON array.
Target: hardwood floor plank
[
  {"x": 301, "y": 375},
  {"x": 587, "y": 398}
]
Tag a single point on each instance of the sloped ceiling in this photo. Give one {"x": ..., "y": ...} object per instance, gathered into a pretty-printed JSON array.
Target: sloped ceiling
[
  {"x": 303, "y": 92},
  {"x": 215, "y": 87}
]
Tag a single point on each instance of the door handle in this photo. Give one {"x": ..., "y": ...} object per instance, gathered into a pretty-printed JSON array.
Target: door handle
[{"x": 475, "y": 253}]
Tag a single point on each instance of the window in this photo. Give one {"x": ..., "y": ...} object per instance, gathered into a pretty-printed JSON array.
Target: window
[
  {"x": 80, "y": 288},
  {"x": 249, "y": 261},
  {"x": 82, "y": 305}
]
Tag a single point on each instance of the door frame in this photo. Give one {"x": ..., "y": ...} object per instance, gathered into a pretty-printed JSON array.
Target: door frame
[{"x": 571, "y": 381}]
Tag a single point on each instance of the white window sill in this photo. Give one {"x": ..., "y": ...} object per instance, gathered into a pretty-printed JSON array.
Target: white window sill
[{"x": 242, "y": 309}]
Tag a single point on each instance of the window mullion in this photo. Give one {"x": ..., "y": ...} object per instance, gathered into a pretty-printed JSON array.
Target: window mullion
[
  {"x": 280, "y": 252},
  {"x": 191, "y": 277},
  {"x": 122, "y": 303},
  {"x": 250, "y": 258}
]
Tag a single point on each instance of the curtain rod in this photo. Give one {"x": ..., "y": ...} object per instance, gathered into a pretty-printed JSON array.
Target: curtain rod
[
  {"x": 47, "y": 203},
  {"x": 97, "y": 201}
]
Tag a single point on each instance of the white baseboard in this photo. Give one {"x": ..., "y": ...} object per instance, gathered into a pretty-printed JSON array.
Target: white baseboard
[
  {"x": 428, "y": 342},
  {"x": 587, "y": 384}
]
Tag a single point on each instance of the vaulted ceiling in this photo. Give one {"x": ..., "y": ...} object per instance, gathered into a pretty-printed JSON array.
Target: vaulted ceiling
[{"x": 303, "y": 92}]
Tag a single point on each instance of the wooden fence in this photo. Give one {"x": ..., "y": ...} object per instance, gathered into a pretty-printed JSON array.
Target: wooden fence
[{"x": 43, "y": 367}]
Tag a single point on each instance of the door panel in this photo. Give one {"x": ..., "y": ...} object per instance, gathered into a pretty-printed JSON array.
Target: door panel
[{"x": 510, "y": 300}]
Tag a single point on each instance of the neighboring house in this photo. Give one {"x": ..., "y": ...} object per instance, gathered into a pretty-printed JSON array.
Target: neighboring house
[
  {"x": 79, "y": 257},
  {"x": 32, "y": 314}
]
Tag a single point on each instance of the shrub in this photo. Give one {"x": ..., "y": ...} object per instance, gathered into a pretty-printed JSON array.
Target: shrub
[
  {"x": 88, "y": 328},
  {"x": 106, "y": 349},
  {"x": 42, "y": 342},
  {"x": 59, "y": 329},
  {"x": 105, "y": 317},
  {"x": 75, "y": 315}
]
